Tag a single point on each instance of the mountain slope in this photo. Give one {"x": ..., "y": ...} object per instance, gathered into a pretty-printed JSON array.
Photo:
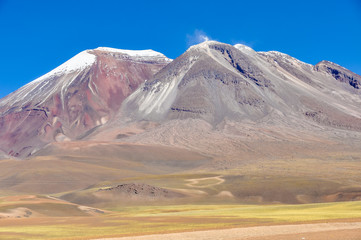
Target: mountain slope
[
  {"x": 213, "y": 81},
  {"x": 214, "y": 91},
  {"x": 219, "y": 123},
  {"x": 83, "y": 93},
  {"x": 225, "y": 100}
]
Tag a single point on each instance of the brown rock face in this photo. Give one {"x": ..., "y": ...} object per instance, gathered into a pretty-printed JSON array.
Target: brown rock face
[{"x": 81, "y": 94}]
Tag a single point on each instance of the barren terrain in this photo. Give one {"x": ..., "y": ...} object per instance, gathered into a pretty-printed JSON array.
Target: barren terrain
[
  {"x": 319, "y": 231},
  {"x": 48, "y": 217},
  {"x": 221, "y": 143}
]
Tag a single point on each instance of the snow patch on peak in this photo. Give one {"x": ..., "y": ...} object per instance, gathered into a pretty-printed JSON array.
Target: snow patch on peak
[
  {"x": 285, "y": 57},
  {"x": 137, "y": 54},
  {"x": 77, "y": 63},
  {"x": 243, "y": 47},
  {"x": 133, "y": 53},
  {"x": 45, "y": 85},
  {"x": 277, "y": 53}
]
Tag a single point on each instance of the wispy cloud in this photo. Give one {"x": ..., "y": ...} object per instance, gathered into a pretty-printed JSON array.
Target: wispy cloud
[{"x": 198, "y": 36}]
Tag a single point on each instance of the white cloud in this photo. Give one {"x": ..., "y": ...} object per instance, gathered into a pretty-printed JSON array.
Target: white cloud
[{"x": 198, "y": 36}]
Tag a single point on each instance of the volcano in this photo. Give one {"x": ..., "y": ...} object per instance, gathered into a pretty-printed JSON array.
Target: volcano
[
  {"x": 269, "y": 127},
  {"x": 80, "y": 95}
]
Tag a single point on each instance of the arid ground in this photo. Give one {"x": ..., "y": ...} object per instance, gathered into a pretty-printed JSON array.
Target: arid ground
[
  {"x": 315, "y": 197},
  {"x": 33, "y": 217}
]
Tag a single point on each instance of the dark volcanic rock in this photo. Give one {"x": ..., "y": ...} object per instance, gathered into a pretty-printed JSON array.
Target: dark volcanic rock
[{"x": 141, "y": 190}]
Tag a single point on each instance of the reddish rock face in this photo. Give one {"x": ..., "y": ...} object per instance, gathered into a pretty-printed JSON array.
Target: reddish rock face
[{"x": 81, "y": 94}]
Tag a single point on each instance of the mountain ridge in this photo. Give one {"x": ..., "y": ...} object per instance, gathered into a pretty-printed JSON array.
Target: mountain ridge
[
  {"x": 264, "y": 127},
  {"x": 229, "y": 103},
  {"x": 251, "y": 74},
  {"x": 80, "y": 94},
  {"x": 216, "y": 82}
]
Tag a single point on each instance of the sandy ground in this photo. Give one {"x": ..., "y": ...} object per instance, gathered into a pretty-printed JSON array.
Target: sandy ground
[{"x": 318, "y": 231}]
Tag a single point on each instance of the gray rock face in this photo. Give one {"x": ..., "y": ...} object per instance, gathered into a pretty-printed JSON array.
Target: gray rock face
[
  {"x": 339, "y": 73},
  {"x": 209, "y": 81},
  {"x": 215, "y": 81}
]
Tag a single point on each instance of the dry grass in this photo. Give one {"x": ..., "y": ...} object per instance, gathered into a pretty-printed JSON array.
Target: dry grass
[
  {"x": 140, "y": 220},
  {"x": 70, "y": 166},
  {"x": 264, "y": 185},
  {"x": 289, "y": 181}
]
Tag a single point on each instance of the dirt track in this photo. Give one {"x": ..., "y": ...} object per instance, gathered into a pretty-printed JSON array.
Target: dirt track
[
  {"x": 318, "y": 231},
  {"x": 195, "y": 181}
]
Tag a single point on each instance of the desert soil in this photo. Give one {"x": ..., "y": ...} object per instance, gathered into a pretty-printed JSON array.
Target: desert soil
[{"x": 317, "y": 231}]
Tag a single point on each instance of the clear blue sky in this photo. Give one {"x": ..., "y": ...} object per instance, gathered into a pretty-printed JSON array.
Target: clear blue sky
[{"x": 37, "y": 36}]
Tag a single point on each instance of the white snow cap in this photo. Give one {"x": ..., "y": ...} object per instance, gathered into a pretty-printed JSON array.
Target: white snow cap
[
  {"x": 243, "y": 47},
  {"x": 137, "y": 54},
  {"x": 44, "y": 85},
  {"x": 77, "y": 63},
  {"x": 144, "y": 53},
  {"x": 86, "y": 58},
  {"x": 285, "y": 57}
]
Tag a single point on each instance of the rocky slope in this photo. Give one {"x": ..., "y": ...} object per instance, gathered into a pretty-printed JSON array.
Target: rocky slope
[
  {"x": 220, "y": 99},
  {"x": 81, "y": 94},
  {"x": 214, "y": 81},
  {"x": 215, "y": 99},
  {"x": 287, "y": 130}
]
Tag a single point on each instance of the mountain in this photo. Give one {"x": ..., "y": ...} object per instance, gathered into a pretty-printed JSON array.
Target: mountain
[
  {"x": 79, "y": 95},
  {"x": 223, "y": 100},
  {"x": 218, "y": 123},
  {"x": 214, "y": 98},
  {"x": 214, "y": 81}
]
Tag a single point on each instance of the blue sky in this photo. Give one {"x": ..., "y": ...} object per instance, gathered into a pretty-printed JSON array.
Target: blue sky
[{"x": 37, "y": 36}]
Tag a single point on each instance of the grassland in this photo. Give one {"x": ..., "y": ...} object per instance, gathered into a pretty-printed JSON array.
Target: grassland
[
  {"x": 140, "y": 220},
  {"x": 262, "y": 192}
]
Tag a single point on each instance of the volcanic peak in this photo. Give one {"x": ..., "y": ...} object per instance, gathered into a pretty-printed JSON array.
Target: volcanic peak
[
  {"x": 203, "y": 45},
  {"x": 87, "y": 58},
  {"x": 140, "y": 53},
  {"x": 137, "y": 55},
  {"x": 79, "y": 62},
  {"x": 243, "y": 47}
]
